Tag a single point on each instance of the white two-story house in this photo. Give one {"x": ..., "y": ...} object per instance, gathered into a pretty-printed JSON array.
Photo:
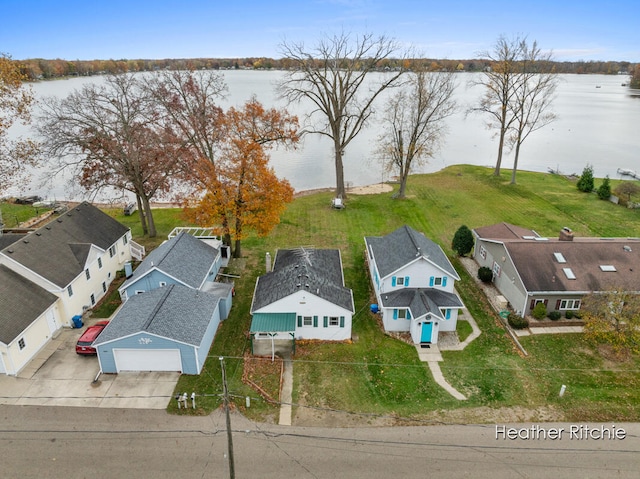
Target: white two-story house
[{"x": 414, "y": 284}]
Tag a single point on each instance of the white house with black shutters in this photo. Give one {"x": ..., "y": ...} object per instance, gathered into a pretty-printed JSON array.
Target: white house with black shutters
[
  {"x": 303, "y": 297},
  {"x": 414, "y": 284}
]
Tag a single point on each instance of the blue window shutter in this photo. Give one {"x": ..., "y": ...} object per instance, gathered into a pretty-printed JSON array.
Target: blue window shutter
[
  {"x": 431, "y": 281},
  {"x": 395, "y": 314},
  {"x": 444, "y": 281},
  {"x": 299, "y": 321},
  {"x": 325, "y": 321},
  {"x": 393, "y": 281},
  {"x": 315, "y": 321},
  {"x": 342, "y": 321},
  {"x": 406, "y": 280},
  {"x": 447, "y": 314},
  {"x": 408, "y": 314}
]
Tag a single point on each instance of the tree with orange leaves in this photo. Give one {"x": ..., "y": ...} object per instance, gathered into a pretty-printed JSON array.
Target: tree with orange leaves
[{"x": 242, "y": 192}]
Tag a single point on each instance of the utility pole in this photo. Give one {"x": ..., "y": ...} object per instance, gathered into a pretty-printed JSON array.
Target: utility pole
[{"x": 232, "y": 472}]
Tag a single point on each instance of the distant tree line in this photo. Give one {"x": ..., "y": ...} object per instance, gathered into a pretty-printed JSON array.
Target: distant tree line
[{"x": 41, "y": 69}]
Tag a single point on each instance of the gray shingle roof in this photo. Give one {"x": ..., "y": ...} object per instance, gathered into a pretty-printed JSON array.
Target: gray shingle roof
[
  {"x": 404, "y": 246},
  {"x": 21, "y": 303},
  {"x": 421, "y": 301},
  {"x": 320, "y": 275},
  {"x": 58, "y": 251},
  {"x": 173, "y": 312},
  {"x": 183, "y": 257}
]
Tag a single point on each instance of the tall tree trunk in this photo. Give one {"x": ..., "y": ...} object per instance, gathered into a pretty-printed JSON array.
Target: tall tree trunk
[
  {"x": 404, "y": 175},
  {"x": 341, "y": 192},
  {"x": 149, "y": 215},
  {"x": 503, "y": 131},
  {"x": 141, "y": 215},
  {"x": 515, "y": 162}
]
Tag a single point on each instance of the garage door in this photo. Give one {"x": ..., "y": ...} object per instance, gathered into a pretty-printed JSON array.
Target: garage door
[{"x": 147, "y": 360}]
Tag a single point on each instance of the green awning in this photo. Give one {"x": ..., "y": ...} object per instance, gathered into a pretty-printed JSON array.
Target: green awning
[{"x": 273, "y": 322}]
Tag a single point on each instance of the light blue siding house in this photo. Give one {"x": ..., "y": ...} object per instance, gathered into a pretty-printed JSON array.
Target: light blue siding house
[
  {"x": 183, "y": 260},
  {"x": 414, "y": 284},
  {"x": 167, "y": 329}
]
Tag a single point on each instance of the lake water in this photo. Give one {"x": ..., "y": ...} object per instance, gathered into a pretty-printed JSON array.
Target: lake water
[{"x": 597, "y": 124}]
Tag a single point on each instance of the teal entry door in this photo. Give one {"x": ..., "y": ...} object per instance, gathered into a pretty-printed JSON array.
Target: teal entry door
[{"x": 427, "y": 329}]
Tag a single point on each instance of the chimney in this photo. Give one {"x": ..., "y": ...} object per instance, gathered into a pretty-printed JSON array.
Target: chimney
[
  {"x": 268, "y": 262},
  {"x": 566, "y": 234}
]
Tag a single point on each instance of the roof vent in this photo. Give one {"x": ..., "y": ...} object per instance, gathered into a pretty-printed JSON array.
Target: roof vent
[
  {"x": 627, "y": 248},
  {"x": 25, "y": 241}
]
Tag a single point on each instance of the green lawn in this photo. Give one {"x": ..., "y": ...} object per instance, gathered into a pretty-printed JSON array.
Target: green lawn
[{"x": 380, "y": 375}]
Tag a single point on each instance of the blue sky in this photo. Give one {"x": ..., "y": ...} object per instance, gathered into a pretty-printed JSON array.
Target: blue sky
[{"x": 454, "y": 29}]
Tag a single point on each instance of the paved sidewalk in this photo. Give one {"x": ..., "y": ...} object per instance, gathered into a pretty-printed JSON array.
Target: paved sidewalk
[
  {"x": 549, "y": 330},
  {"x": 432, "y": 355},
  {"x": 286, "y": 397}
]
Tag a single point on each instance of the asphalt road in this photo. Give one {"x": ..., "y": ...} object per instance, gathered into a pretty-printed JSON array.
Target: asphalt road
[{"x": 75, "y": 442}]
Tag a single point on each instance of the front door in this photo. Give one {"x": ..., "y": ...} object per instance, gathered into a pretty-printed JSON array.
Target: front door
[{"x": 425, "y": 336}]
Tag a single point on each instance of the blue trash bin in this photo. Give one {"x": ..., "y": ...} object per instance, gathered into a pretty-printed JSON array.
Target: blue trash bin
[
  {"x": 77, "y": 321},
  {"x": 374, "y": 308}
]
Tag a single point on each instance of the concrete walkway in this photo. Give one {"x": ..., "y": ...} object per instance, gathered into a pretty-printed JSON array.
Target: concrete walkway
[
  {"x": 549, "y": 330},
  {"x": 286, "y": 397},
  {"x": 432, "y": 355}
]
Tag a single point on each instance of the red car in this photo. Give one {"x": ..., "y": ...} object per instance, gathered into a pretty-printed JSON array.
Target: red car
[{"x": 83, "y": 346}]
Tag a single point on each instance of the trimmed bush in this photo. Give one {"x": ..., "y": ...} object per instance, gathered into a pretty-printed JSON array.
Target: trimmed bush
[
  {"x": 577, "y": 314},
  {"x": 462, "y": 241},
  {"x": 568, "y": 314},
  {"x": 554, "y": 315},
  {"x": 485, "y": 274},
  {"x": 540, "y": 311},
  {"x": 517, "y": 322}
]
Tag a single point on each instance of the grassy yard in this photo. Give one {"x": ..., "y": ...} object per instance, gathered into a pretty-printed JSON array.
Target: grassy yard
[
  {"x": 379, "y": 375},
  {"x": 13, "y": 215}
]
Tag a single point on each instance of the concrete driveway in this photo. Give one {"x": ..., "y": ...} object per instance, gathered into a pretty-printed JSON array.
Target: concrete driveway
[{"x": 60, "y": 377}]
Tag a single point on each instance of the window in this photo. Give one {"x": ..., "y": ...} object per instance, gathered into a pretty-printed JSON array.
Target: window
[
  {"x": 402, "y": 314},
  {"x": 569, "y": 304},
  {"x": 307, "y": 321},
  {"x": 22, "y": 344},
  {"x": 437, "y": 281},
  {"x": 496, "y": 269},
  {"x": 400, "y": 281},
  {"x": 87, "y": 274},
  {"x": 483, "y": 252},
  {"x": 112, "y": 251},
  {"x": 334, "y": 321},
  {"x": 125, "y": 240},
  {"x": 70, "y": 290},
  {"x": 93, "y": 299},
  {"x": 104, "y": 287},
  {"x": 100, "y": 263}
]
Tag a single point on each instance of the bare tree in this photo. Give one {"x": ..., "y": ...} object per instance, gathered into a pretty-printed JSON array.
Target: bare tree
[
  {"x": 187, "y": 100},
  {"x": 332, "y": 76},
  {"x": 15, "y": 103},
  {"x": 500, "y": 80},
  {"x": 109, "y": 135},
  {"x": 533, "y": 95},
  {"x": 414, "y": 122}
]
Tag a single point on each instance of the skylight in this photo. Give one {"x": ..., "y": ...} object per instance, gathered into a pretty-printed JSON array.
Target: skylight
[
  {"x": 569, "y": 273},
  {"x": 608, "y": 267},
  {"x": 559, "y": 258}
]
